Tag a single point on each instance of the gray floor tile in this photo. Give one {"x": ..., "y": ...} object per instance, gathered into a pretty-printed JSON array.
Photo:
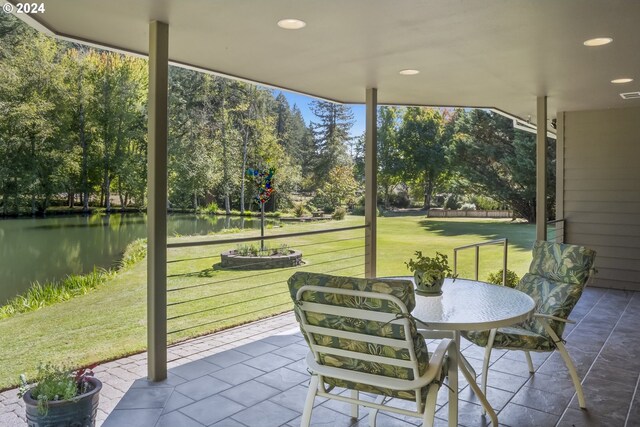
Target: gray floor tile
[
  {"x": 177, "y": 419},
  {"x": 293, "y": 351},
  {"x": 250, "y": 393},
  {"x": 202, "y": 387},
  {"x": 229, "y": 422},
  {"x": 469, "y": 414},
  {"x": 268, "y": 362},
  {"x": 237, "y": 374},
  {"x": 580, "y": 418},
  {"x": 282, "y": 340},
  {"x": 513, "y": 367},
  {"x": 257, "y": 348},
  {"x": 265, "y": 414},
  {"x": 133, "y": 418},
  {"x": 294, "y": 399},
  {"x": 546, "y": 401},
  {"x": 176, "y": 401},
  {"x": 516, "y": 415},
  {"x": 194, "y": 369},
  {"x": 505, "y": 381},
  {"x": 145, "y": 398},
  {"x": 497, "y": 398},
  {"x": 606, "y": 399},
  {"x": 283, "y": 378},
  {"x": 227, "y": 358},
  {"x": 212, "y": 409},
  {"x": 325, "y": 417},
  {"x": 559, "y": 383},
  {"x": 171, "y": 381}
]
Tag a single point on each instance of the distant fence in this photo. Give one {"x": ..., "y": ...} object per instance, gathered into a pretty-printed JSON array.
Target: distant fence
[{"x": 457, "y": 213}]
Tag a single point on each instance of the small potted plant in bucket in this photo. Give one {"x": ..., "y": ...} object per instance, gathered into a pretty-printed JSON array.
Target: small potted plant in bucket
[
  {"x": 429, "y": 273},
  {"x": 61, "y": 397}
]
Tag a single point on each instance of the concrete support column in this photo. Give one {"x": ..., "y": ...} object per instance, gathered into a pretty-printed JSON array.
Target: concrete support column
[
  {"x": 157, "y": 201},
  {"x": 370, "y": 182},
  {"x": 541, "y": 169}
]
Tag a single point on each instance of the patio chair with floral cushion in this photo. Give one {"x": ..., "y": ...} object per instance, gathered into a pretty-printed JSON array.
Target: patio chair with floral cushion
[
  {"x": 557, "y": 276},
  {"x": 363, "y": 338}
]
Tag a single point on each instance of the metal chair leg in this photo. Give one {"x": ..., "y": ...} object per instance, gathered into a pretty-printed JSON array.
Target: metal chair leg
[
  {"x": 429, "y": 415},
  {"x": 373, "y": 412},
  {"x": 354, "y": 406},
  {"x": 308, "y": 403},
  {"x": 452, "y": 375},
  {"x": 567, "y": 361},
  {"x": 529, "y": 362},
  {"x": 574, "y": 374}
]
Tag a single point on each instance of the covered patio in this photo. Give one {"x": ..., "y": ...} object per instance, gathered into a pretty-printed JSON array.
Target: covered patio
[
  {"x": 525, "y": 59},
  {"x": 255, "y": 375}
]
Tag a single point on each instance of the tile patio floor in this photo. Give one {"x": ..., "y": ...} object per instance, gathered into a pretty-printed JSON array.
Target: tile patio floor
[{"x": 255, "y": 375}]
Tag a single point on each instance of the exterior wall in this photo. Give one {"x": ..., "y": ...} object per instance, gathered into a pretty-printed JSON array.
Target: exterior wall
[{"x": 601, "y": 197}]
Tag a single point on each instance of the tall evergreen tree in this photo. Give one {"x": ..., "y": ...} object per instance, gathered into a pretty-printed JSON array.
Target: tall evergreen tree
[{"x": 331, "y": 135}]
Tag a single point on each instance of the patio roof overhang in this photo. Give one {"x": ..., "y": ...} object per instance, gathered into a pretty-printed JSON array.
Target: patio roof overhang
[{"x": 490, "y": 53}]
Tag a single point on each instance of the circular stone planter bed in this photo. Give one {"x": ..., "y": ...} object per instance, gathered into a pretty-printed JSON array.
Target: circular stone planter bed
[{"x": 231, "y": 260}]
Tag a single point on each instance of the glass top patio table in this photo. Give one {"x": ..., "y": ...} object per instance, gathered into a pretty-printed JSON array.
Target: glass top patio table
[{"x": 471, "y": 305}]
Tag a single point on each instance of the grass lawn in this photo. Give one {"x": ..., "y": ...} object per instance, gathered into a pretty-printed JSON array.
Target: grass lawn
[{"x": 110, "y": 322}]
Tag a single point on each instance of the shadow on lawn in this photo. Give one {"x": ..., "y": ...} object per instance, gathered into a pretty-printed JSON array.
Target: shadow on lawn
[{"x": 520, "y": 235}]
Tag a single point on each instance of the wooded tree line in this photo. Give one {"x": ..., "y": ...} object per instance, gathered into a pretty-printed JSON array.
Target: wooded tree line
[
  {"x": 459, "y": 155},
  {"x": 73, "y": 122}
]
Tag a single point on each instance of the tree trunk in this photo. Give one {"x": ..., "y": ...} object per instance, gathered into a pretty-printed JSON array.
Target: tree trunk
[
  {"x": 85, "y": 154},
  {"x": 428, "y": 193},
  {"x": 225, "y": 159},
  {"x": 245, "y": 143}
]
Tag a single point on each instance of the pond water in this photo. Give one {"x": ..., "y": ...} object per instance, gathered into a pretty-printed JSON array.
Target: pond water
[{"x": 50, "y": 248}]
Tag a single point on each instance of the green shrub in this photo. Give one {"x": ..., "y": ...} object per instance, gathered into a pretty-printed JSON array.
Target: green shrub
[
  {"x": 496, "y": 278},
  {"x": 300, "y": 210},
  {"x": 339, "y": 213},
  {"x": 211, "y": 208},
  {"x": 134, "y": 252},
  {"x": 253, "y": 249}
]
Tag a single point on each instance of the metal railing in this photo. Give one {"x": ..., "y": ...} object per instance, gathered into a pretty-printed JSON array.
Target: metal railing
[
  {"x": 504, "y": 242},
  {"x": 204, "y": 297},
  {"x": 556, "y": 233}
]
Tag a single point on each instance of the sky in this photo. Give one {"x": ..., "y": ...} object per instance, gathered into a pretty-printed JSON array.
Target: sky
[{"x": 303, "y": 104}]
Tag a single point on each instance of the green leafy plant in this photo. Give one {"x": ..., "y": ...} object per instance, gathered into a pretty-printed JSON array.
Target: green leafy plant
[
  {"x": 496, "y": 278},
  {"x": 255, "y": 251},
  {"x": 55, "y": 383},
  {"x": 433, "y": 268},
  {"x": 339, "y": 213}
]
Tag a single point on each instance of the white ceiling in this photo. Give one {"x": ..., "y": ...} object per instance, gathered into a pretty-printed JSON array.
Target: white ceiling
[{"x": 482, "y": 53}]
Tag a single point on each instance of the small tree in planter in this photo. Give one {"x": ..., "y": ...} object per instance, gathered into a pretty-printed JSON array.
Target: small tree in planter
[
  {"x": 61, "y": 397},
  {"x": 263, "y": 180}
]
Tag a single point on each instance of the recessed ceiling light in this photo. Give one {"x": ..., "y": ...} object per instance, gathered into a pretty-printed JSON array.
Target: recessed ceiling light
[
  {"x": 598, "y": 41},
  {"x": 409, "y": 72},
  {"x": 291, "y": 24},
  {"x": 623, "y": 80}
]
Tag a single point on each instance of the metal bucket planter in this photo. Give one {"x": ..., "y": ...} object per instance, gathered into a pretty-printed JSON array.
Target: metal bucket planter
[{"x": 78, "y": 412}]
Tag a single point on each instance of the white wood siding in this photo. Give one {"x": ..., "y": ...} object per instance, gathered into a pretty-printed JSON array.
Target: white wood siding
[{"x": 601, "y": 197}]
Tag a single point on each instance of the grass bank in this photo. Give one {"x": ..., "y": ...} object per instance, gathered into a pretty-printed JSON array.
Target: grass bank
[
  {"x": 110, "y": 321},
  {"x": 40, "y": 295}
]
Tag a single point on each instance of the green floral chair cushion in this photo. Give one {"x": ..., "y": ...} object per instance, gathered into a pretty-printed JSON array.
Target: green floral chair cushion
[
  {"x": 563, "y": 263},
  {"x": 402, "y": 289},
  {"x": 557, "y": 276}
]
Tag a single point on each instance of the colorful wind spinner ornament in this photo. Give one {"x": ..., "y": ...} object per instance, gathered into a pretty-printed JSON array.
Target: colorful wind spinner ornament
[{"x": 264, "y": 182}]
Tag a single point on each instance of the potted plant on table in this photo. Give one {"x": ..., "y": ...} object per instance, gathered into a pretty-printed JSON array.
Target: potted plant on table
[
  {"x": 429, "y": 272},
  {"x": 61, "y": 397}
]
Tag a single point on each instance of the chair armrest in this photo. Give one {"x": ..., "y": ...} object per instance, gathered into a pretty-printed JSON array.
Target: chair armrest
[
  {"x": 446, "y": 346},
  {"x": 550, "y": 317}
]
